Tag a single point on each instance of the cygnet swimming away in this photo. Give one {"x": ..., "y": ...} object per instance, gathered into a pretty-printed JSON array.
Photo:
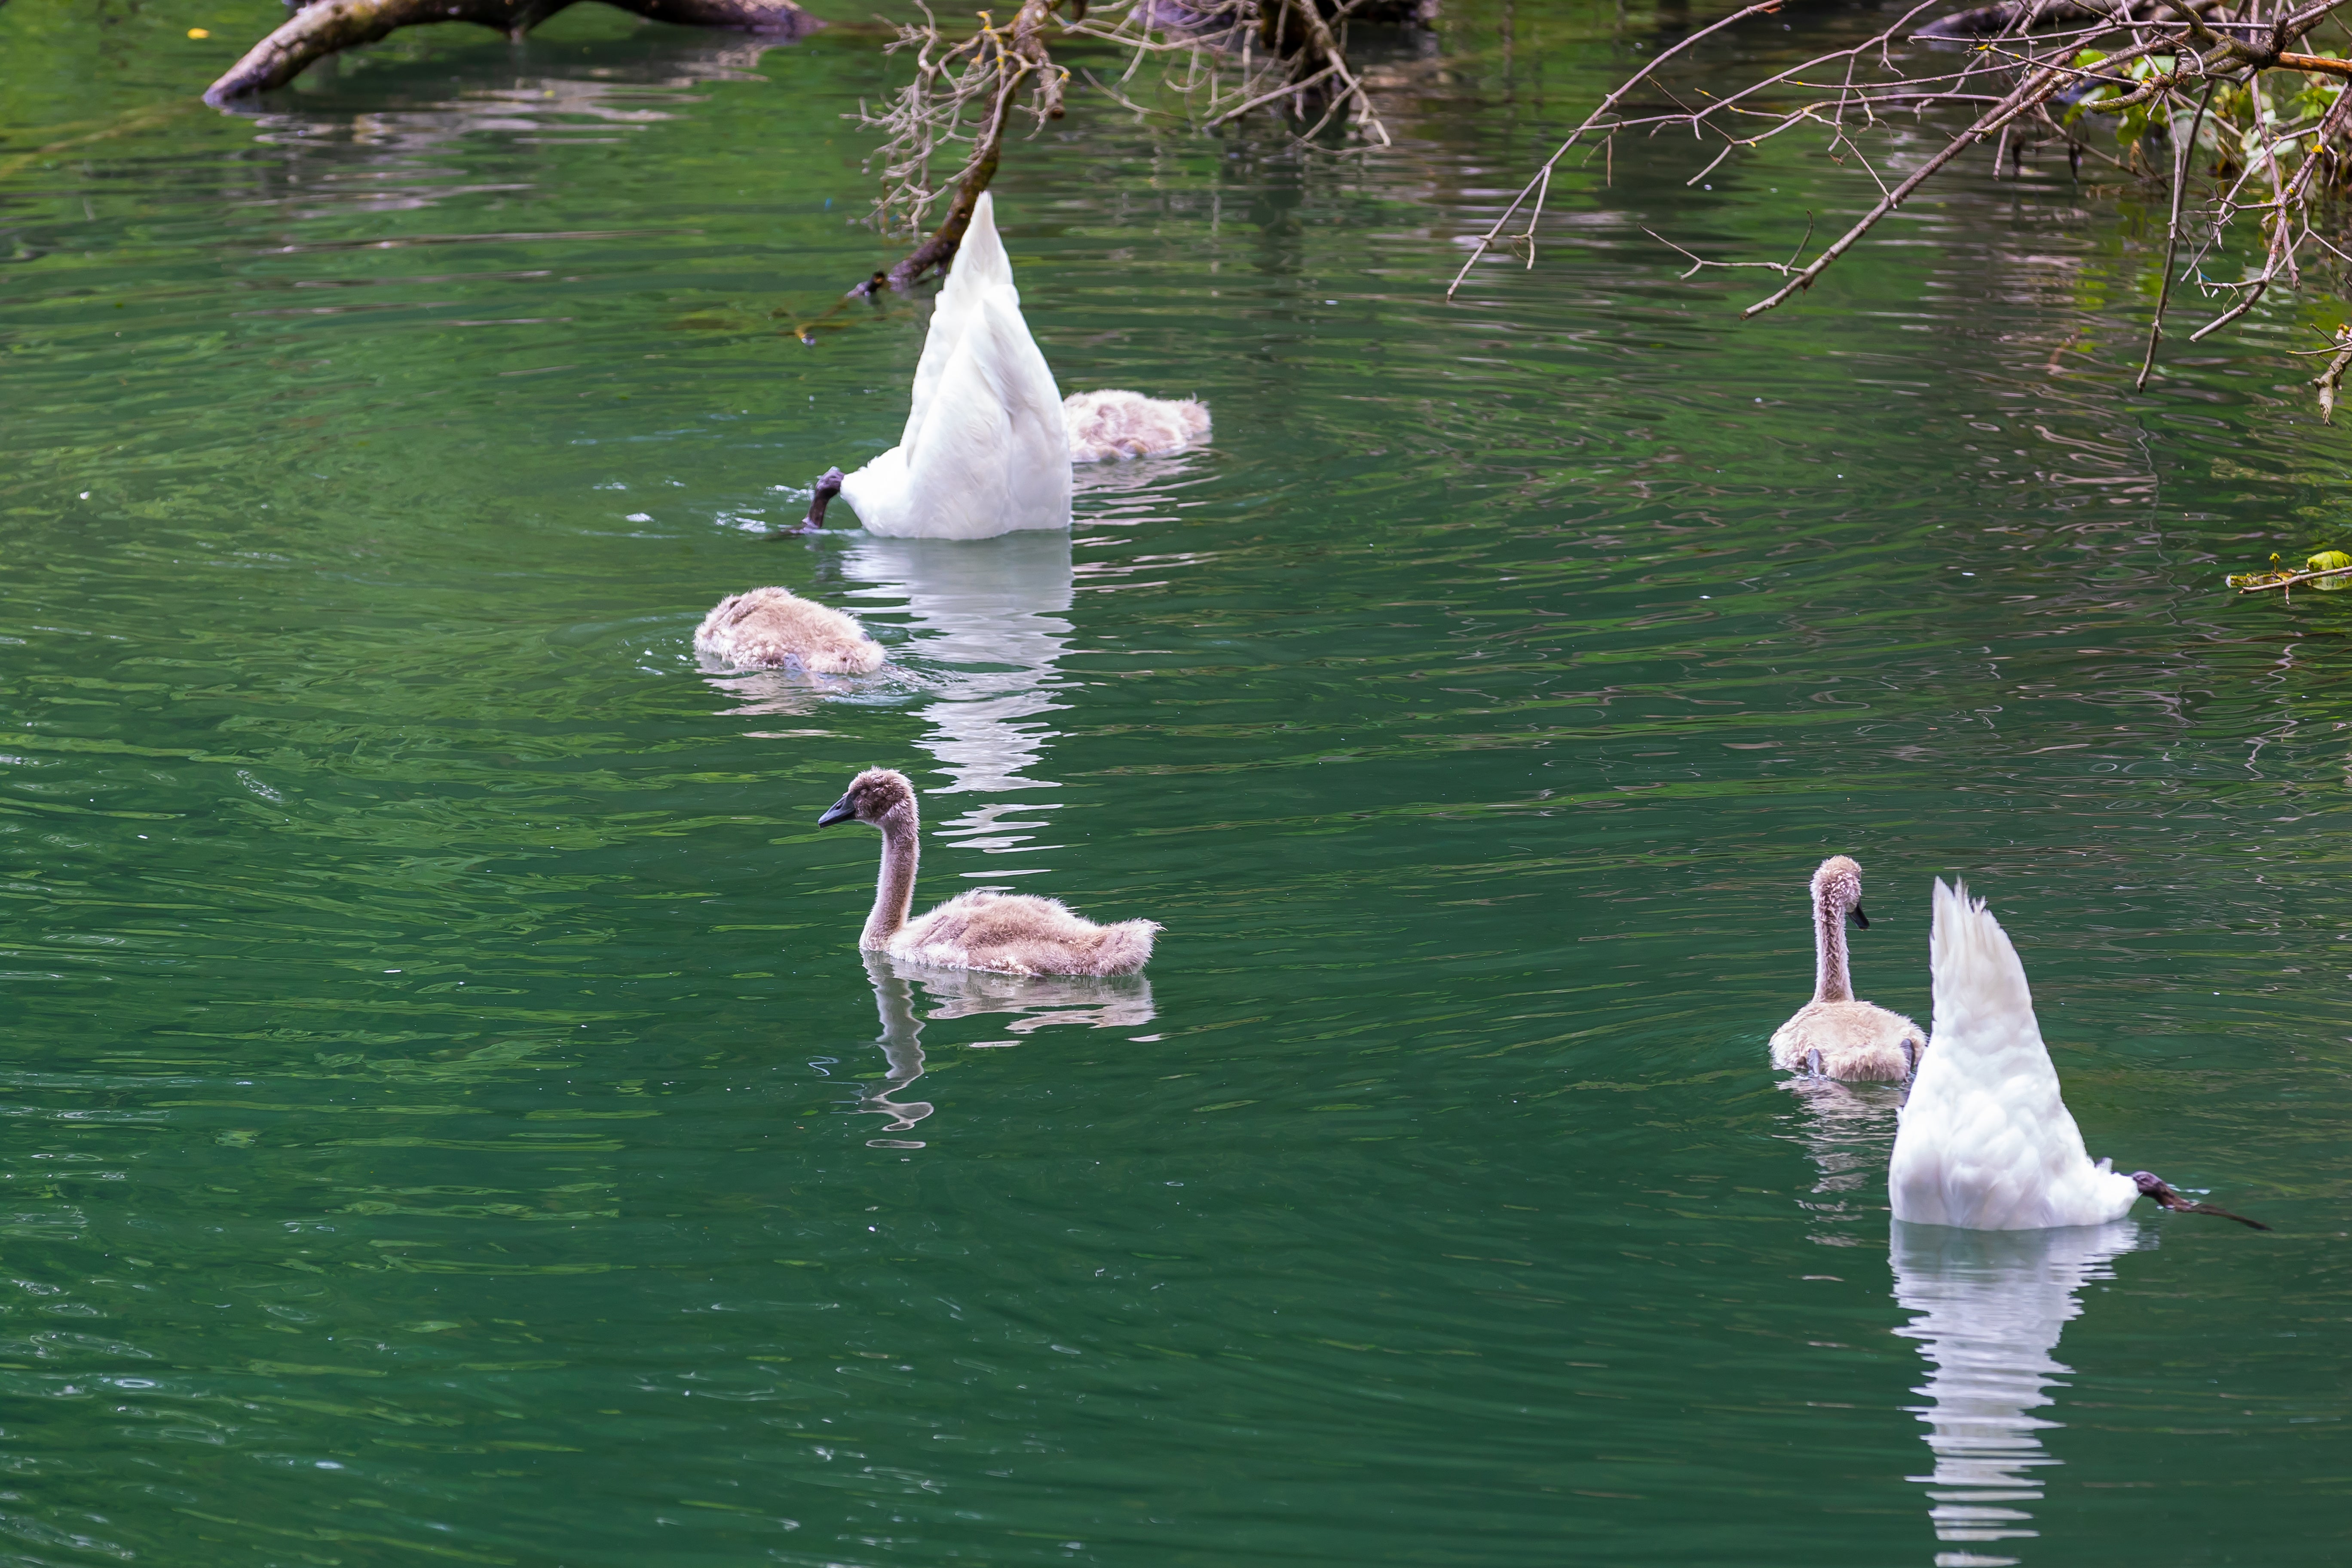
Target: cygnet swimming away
[
  {"x": 772, "y": 629},
  {"x": 1112, "y": 424},
  {"x": 1835, "y": 1035},
  {"x": 1010, "y": 933}
]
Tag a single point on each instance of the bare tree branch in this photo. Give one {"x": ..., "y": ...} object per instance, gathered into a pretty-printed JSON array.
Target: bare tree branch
[
  {"x": 1487, "y": 241},
  {"x": 2185, "y": 81}
]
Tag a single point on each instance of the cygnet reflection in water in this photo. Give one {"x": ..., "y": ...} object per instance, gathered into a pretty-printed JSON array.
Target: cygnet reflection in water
[
  {"x": 1991, "y": 1305},
  {"x": 1120, "y": 495},
  {"x": 902, "y": 1054},
  {"x": 1118, "y": 1003},
  {"x": 991, "y": 616},
  {"x": 1848, "y": 1130},
  {"x": 788, "y": 693},
  {"x": 1098, "y": 1002}
]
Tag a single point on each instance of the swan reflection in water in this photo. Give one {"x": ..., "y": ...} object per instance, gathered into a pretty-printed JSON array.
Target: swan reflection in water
[
  {"x": 1991, "y": 1306},
  {"x": 1037, "y": 1001},
  {"x": 991, "y": 617}
]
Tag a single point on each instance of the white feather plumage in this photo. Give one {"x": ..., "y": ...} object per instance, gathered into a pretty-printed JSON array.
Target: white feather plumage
[
  {"x": 986, "y": 449},
  {"x": 1985, "y": 1141}
]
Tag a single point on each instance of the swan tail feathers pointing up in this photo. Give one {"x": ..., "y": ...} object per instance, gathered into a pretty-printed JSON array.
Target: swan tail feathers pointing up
[
  {"x": 1981, "y": 997},
  {"x": 1985, "y": 1140},
  {"x": 986, "y": 450}
]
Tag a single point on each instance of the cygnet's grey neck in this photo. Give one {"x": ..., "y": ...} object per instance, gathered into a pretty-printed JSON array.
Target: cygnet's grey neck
[
  {"x": 1831, "y": 982},
  {"x": 894, "y": 889}
]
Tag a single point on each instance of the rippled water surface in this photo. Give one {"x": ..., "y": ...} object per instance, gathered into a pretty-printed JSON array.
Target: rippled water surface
[{"x": 447, "y": 1117}]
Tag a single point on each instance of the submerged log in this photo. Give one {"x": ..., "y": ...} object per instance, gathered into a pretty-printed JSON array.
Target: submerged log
[{"x": 321, "y": 28}]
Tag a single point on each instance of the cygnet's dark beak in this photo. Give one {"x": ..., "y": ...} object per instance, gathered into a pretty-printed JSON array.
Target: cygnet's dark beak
[
  {"x": 839, "y": 811},
  {"x": 1860, "y": 918}
]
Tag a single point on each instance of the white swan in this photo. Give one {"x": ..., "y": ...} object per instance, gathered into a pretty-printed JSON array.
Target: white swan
[
  {"x": 1011, "y": 934},
  {"x": 988, "y": 446},
  {"x": 1835, "y": 1035},
  {"x": 1985, "y": 1141}
]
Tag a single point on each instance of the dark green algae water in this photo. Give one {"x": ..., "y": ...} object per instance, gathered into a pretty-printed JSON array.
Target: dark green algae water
[{"x": 448, "y": 1117}]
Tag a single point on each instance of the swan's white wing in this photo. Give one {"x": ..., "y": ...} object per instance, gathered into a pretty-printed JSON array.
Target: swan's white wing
[
  {"x": 982, "y": 269},
  {"x": 1986, "y": 1140},
  {"x": 957, "y": 471},
  {"x": 1037, "y": 482}
]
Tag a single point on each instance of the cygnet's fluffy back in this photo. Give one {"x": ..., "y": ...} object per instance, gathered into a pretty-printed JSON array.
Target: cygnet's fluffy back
[
  {"x": 1114, "y": 424},
  {"x": 769, "y": 629},
  {"x": 1021, "y": 933}
]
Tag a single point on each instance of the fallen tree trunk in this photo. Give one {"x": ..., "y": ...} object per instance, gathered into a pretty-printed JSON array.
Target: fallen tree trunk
[
  {"x": 2024, "y": 15},
  {"x": 322, "y": 27}
]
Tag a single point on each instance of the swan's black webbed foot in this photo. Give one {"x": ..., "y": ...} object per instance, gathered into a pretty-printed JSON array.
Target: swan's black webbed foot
[
  {"x": 1813, "y": 1061},
  {"x": 2151, "y": 1187},
  {"x": 828, "y": 485}
]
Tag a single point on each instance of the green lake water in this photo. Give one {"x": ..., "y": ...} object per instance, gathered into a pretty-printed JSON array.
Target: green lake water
[{"x": 448, "y": 1119}]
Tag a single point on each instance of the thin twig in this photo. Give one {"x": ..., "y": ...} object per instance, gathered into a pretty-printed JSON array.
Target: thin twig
[
  {"x": 2172, "y": 234},
  {"x": 1487, "y": 241}
]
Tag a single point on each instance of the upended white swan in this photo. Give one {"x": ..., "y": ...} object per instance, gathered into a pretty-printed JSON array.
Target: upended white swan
[
  {"x": 1985, "y": 1141},
  {"x": 1835, "y": 1034},
  {"x": 1010, "y": 933},
  {"x": 988, "y": 444}
]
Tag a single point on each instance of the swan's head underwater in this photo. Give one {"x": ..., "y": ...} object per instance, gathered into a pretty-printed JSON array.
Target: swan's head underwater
[
  {"x": 1837, "y": 888},
  {"x": 871, "y": 796}
]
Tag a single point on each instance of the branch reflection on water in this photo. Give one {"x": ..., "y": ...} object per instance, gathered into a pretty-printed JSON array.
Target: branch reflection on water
[
  {"x": 1991, "y": 1305},
  {"x": 1037, "y": 1002}
]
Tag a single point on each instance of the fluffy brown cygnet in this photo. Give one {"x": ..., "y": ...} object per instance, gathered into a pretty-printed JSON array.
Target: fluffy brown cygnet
[
  {"x": 1113, "y": 424},
  {"x": 769, "y": 628},
  {"x": 1010, "y": 933},
  {"x": 1835, "y": 1035}
]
